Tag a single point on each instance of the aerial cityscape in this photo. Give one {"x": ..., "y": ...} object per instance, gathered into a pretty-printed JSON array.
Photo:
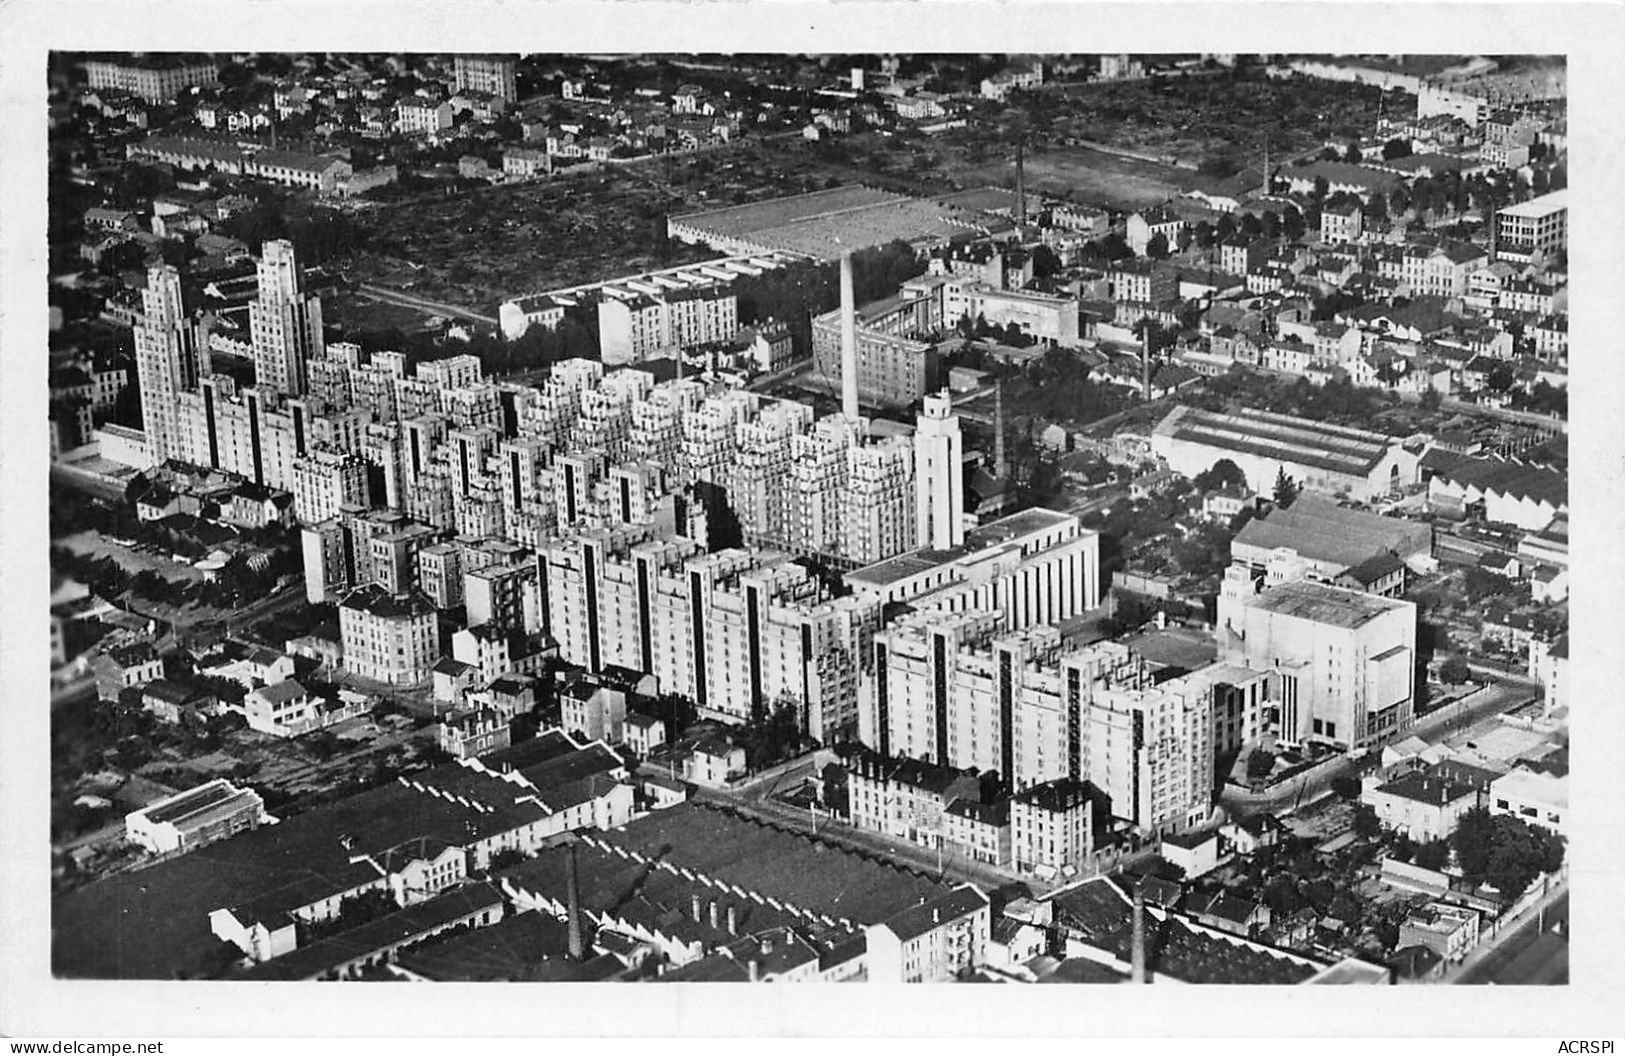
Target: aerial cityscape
[{"x": 809, "y": 518}]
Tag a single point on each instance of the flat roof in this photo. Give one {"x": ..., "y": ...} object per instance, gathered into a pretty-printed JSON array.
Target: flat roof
[
  {"x": 1545, "y": 205},
  {"x": 1320, "y": 603},
  {"x": 1175, "y": 647},
  {"x": 822, "y": 224},
  {"x": 977, "y": 540}
]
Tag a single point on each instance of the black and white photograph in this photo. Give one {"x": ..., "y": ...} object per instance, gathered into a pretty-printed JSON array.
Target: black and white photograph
[{"x": 859, "y": 514}]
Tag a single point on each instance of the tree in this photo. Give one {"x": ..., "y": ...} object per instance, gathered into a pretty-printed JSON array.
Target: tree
[
  {"x": 1286, "y": 490},
  {"x": 1472, "y": 841},
  {"x": 1321, "y": 188},
  {"x": 1292, "y": 224},
  {"x": 1353, "y": 157},
  {"x": 1431, "y": 400},
  {"x": 1184, "y": 238},
  {"x": 1157, "y": 247},
  {"x": 1346, "y": 787},
  {"x": 1376, "y": 210},
  {"x": 1366, "y": 824},
  {"x": 1455, "y": 671},
  {"x": 1396, "y": 148},
  {"x": 1435, "y": 855},
  {"x": 1260, "y": 764},
  {"x": 1045, "y": 262},
  {"x": 1222, "y": 474}
]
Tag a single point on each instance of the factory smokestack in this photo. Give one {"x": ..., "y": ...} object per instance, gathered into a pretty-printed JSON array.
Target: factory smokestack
[
  {"x": 1021, "y": 185},
  {"x": 849, "y": 341},
  {"x": 572, "y": 896},
  {"x": 1000, "y": 467},
  {"x": 1145, "y": 363},
  {"x": 1137, "y": 963}
]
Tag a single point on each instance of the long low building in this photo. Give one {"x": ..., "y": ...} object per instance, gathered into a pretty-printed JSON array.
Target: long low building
[
  {"x": 1516, "y": 493},
  {"x": 1035, "y": 566},
  {"x": 411, "y": 839},
  {"x": 1329, "y": 538},
  {"x": 823, "y": 224},
  {"x": 1318, "y": 456},
  {"x": 212, "y": 811}
]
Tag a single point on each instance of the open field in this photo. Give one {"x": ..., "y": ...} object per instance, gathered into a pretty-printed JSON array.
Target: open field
[{"x": 1084, "y": 175}]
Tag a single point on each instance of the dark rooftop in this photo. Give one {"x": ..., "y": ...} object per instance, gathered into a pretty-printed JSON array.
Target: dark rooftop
[
  {"x": 777, "y": 862},
  {"x": 505, "y": 951}
]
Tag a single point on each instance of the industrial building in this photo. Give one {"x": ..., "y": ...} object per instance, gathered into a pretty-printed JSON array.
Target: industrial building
[
  {"x": 1317, "y": 456},
  {"x": 824, "y": 224},
  {"x": 1539, "y": 226},
  {"x": 1328, "y": 539}
]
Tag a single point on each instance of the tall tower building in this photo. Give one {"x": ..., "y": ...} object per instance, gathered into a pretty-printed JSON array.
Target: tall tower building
[
  {"x": 849, "y": 341},
  {"x": 939, "y": 486},
  {"x": 284, "y": 322},
  {"x": 169, "y": 352}
]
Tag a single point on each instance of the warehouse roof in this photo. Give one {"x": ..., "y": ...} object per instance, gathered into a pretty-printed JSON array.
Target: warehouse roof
[{"x": 1321, "y": 530}]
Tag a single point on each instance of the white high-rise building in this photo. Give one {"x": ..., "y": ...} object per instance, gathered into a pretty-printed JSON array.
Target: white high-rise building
[
  {"x": 741, "y": 633},
  {"x": 955, "y": 690},
  {"x": 284, "y": 322},
  {"x": 324, "y": 482},
  {"x": 170, "y": 354},
  {"x": 1345, "y": 659},
  {"x": 939, "y": 484}
]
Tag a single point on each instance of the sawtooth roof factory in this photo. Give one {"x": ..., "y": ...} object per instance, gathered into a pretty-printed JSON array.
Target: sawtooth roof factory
[{"x": 1330, "y": 459}]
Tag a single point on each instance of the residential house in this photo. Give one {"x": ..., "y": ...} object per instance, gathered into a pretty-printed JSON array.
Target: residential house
[
  {"x": 474, "y": 732},
  {"x": 936, "y": 941},
  {"x": 1449, "y": 931}
]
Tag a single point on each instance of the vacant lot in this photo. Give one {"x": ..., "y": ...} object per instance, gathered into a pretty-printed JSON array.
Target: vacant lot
[
  {"x": 483, "y": 246},
  {"x": 1084, "y": 175}
]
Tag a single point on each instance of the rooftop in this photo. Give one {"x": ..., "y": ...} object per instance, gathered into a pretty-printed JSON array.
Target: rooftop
[
  {"x": 1320, "y": 530},
  {"x": 505, "y": 951},
  {"x": 1299, "y": 441},
  {"x": 1516, "y": 479},
  {"x": 978, "y": 540},
  {"x": 918, "y": 920},
  {"x": 1100, "y": 914},
  {"x": 324, "y": 955},
  {"x": 1319, "y": 603},
  {"x": 378, "y": 602},
  {"x": 776, "y": 862},
  {"x": 193, "y": 801},
  {"x": 1538, "y": 207},
  {"x": 822, "y": 223},
  {"x": 1426, "y": 788}
]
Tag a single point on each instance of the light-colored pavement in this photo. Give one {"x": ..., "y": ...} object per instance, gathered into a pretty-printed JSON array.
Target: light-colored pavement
[{"x": 1526, "y": 949}]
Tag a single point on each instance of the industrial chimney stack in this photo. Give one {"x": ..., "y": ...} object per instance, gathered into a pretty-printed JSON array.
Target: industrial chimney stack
[
  {"x": 1000, "y": 467},
  {"x": 1021, "y": 184},
  {"x": 1137, "y": 969},
  {"x": 849, "y": 341},
  {"x": 572, "y": 889}
]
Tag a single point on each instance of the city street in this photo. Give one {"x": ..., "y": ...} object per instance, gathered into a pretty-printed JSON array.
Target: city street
[
  {"x": 1535, "y": 952},
  {"x": 1497, "y": 698}
]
